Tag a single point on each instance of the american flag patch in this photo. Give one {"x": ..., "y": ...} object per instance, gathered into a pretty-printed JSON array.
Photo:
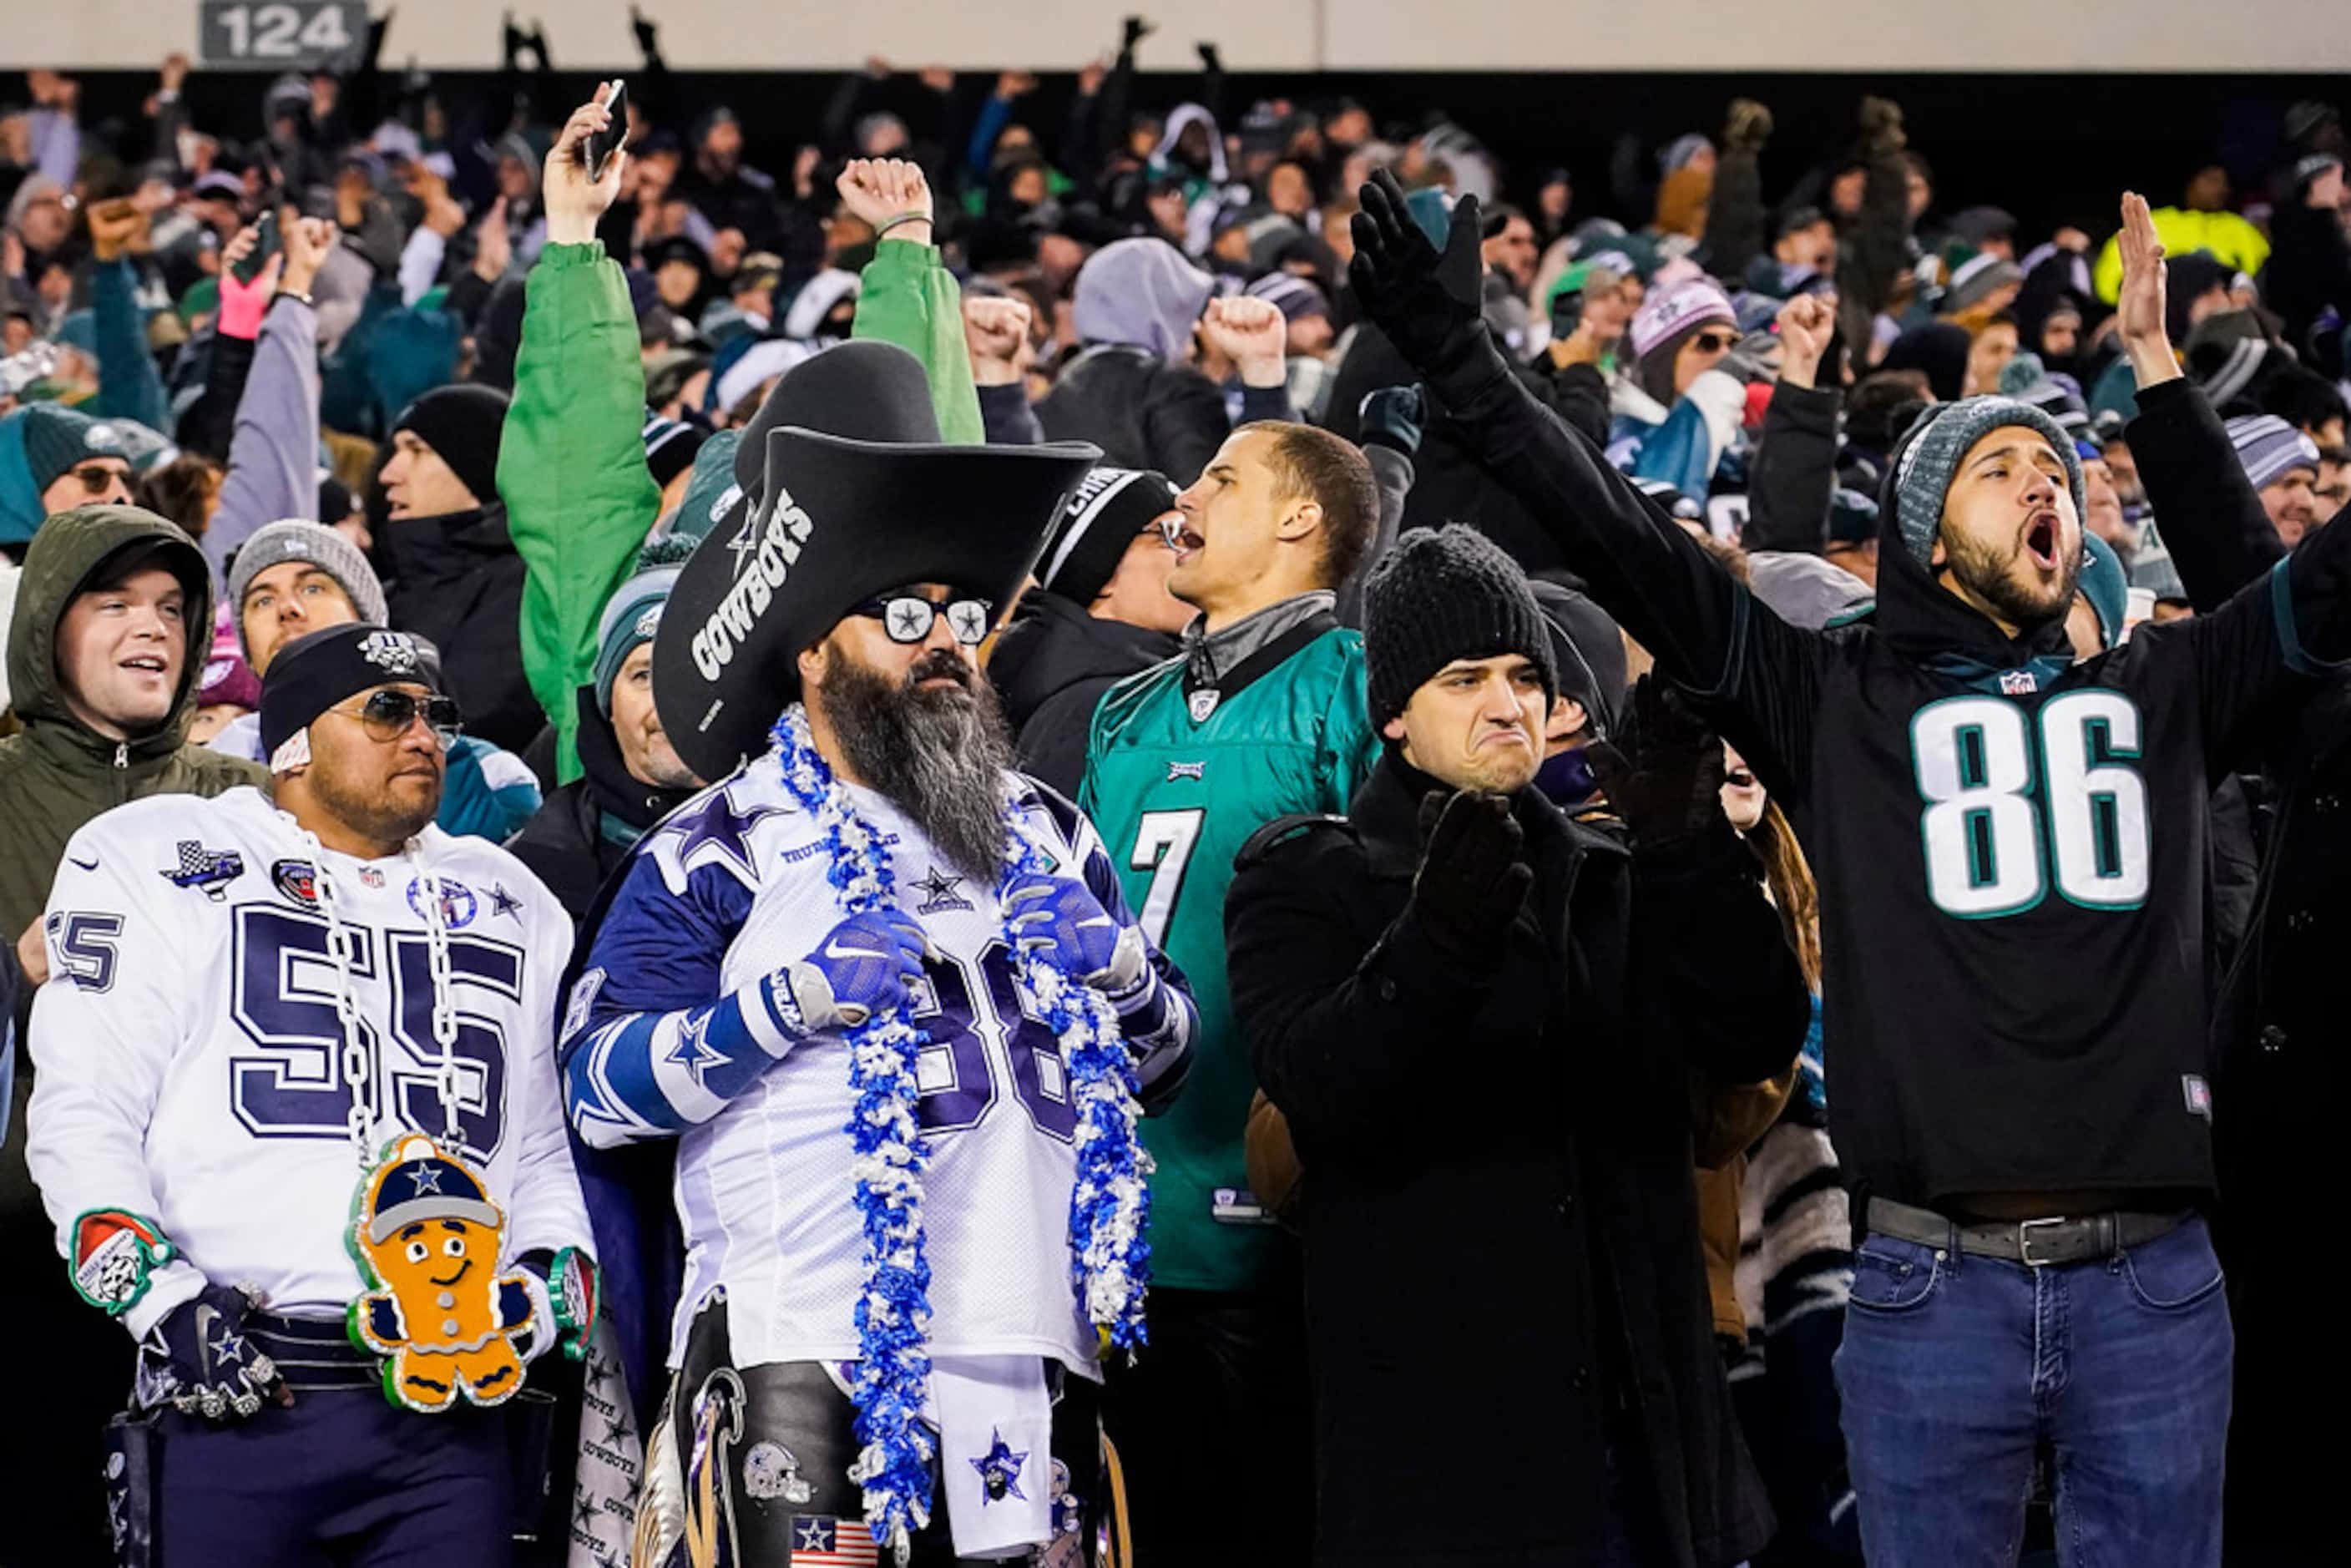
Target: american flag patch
[{"x": 819, "y": 1542}]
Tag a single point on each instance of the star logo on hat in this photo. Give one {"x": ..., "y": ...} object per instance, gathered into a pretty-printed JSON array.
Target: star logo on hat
[
  {"x": 424, "y": 1177},
  {"x": 746, "y": 541}
]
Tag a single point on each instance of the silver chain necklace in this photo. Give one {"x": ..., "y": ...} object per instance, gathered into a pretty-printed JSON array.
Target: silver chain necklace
[{"x": 358, "y": 1066}]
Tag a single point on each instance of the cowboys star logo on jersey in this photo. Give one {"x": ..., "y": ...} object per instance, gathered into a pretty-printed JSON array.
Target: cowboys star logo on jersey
[
  {"x": 939, "y": 890},
  {"x": 394, "y": 653}
]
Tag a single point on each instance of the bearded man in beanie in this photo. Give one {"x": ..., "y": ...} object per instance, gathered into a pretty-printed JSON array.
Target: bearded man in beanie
[
  {"x": 456, "y": 577},
  {"x": 2011, "y": 847},
  {"x": 1100, "y": 613},
  {"x": 1428, "y": 962},
  {"x": 881, "y": 995}
]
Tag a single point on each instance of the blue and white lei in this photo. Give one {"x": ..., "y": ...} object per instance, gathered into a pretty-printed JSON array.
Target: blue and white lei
[{"x": 1109, "y": 1205}]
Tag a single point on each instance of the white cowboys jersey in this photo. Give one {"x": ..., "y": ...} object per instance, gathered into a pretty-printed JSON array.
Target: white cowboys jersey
[
  {"x": 732, "y": 887},
  {"x": 189, "y": 1058}
]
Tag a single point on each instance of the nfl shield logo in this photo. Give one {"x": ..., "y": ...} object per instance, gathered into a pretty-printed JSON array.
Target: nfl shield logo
[{"x": 2018, "y": 683}]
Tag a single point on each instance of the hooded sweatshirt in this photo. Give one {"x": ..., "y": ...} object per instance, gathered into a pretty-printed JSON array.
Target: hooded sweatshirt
[
  {"x": 60, "y": 773},
  {"x": 1130, "y": 393},
  {"x": 457, "y": 579},
  {"x": 2011, "y": 845}
]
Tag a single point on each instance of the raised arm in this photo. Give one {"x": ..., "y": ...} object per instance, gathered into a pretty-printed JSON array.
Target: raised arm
[
  {"x": 1653, "y": 577},
  {"x": 907, "y": 296},
  {"x": 571, "y": 465},
  {"x": 1794, "y": 468},
  {"x": 273, "y": 457},
  {"x": 2212, "y": 518},
  {"x": 996, "y": 333},
  {"x": 129, "y": 385}
]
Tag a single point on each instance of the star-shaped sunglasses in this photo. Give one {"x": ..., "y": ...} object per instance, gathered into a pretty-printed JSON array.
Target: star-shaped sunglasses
[{"x": 907, "y": 617}]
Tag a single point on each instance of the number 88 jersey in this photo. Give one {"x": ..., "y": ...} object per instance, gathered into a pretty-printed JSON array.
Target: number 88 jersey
[
  {"x": 734, "y": 887},
  {"x": 190, "y": 1058}
]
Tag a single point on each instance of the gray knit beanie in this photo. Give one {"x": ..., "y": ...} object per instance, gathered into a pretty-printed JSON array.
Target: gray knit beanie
[
  {"x": 297, "y": 538},
  {"x": 1443, "y": 595},
  {"x": 1931, "y": 453}
]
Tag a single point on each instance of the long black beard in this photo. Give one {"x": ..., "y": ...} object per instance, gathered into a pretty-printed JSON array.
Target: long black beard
[{"x": 939, "y": 756}]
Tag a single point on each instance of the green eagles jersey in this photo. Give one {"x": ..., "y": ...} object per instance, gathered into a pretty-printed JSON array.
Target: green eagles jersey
[{"x": 1175, "y": 797}]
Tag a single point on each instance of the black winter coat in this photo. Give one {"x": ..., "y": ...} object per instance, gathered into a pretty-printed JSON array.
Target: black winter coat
[
  {"x": 2276, "y": 1069},
  {"x": 1051, "y": 666},
  {"x": 1142, "y": 411},
  {"x": 1501, "y": 1226},
  {"x": 570, "y": 844},
  {"x": 457, "y": 579},
  {"x": 1792, "y": 475}
]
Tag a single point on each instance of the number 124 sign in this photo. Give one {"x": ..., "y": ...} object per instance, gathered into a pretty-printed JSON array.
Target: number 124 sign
[{"x": 281, "y": 35}]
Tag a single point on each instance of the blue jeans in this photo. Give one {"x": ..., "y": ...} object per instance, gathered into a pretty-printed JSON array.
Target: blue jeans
[{"x": 1954, "y": 1369}]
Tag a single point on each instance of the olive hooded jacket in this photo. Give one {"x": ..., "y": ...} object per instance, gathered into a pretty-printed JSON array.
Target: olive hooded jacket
[{"x": 59, "y": 773}]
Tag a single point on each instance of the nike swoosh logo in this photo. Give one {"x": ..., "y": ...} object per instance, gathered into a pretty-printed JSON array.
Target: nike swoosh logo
[
  {"x": 835, "y": 950},
  {"x": 89, "y": 864},
  {"x": 206, "y": 1315}
]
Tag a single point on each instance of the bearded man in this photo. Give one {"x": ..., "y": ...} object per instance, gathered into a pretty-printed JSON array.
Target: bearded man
[{"x": 885, "y": 994}]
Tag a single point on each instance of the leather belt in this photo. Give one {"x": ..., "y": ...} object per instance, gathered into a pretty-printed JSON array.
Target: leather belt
[
  {"x": 2035, "y": 1243},
  {"x": 314, "y": 1355}
]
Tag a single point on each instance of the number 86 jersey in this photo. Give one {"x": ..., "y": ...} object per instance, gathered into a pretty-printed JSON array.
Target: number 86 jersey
[{"x": 190, "y": 1059}]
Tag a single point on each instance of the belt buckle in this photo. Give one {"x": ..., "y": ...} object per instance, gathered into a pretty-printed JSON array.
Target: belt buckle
[{"x": 2024, "y": 1241}]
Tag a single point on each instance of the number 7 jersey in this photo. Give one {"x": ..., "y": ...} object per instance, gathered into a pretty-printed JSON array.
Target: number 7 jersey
[{"x": 189, "y": 1060}]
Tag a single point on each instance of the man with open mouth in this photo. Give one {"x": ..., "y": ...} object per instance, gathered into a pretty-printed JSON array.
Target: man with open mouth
[{"x": 2011, "y": 847}]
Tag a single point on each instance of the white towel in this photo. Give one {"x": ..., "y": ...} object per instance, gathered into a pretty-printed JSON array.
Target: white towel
[{"x": 996, "y": 1452}]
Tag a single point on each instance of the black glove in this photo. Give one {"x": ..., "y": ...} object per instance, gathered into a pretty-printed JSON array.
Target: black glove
[
  {"x": 648, "y": 36},
  {"x": 1666, "y": 779},
  {"x": 1471, "y": 881},
  {"x": 1137, "y": 28},
  {"x": 212, "y": 1369},
  {"x": 1392, "y": 417},
  {"x": 1209, "y": 61},
  {"x": 1425, "y": 302},
  {"x": 1881, "y": 125},
  {"x": 1747, "y": 126}
]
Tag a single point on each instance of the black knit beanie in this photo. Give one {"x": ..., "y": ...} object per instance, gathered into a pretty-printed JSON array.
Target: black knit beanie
[
  {"x": 462, "y": 423},
  {"x": 1095, "y": 525},
  {"x": 1443, "y": 595}
]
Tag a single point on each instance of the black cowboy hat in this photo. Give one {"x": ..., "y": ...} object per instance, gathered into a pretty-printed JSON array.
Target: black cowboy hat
[{"x": 848, "y": 491}]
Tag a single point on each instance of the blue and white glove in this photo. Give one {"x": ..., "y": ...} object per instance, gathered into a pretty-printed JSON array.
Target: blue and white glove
[
  {"x": 210, "y": 1368},
  {"x": 860, "y": 971},
  {"x": 1060, "y": 917}
]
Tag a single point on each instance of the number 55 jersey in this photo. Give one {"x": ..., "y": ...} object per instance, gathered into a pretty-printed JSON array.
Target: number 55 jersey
[{"x": 191, "y": 1060}]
